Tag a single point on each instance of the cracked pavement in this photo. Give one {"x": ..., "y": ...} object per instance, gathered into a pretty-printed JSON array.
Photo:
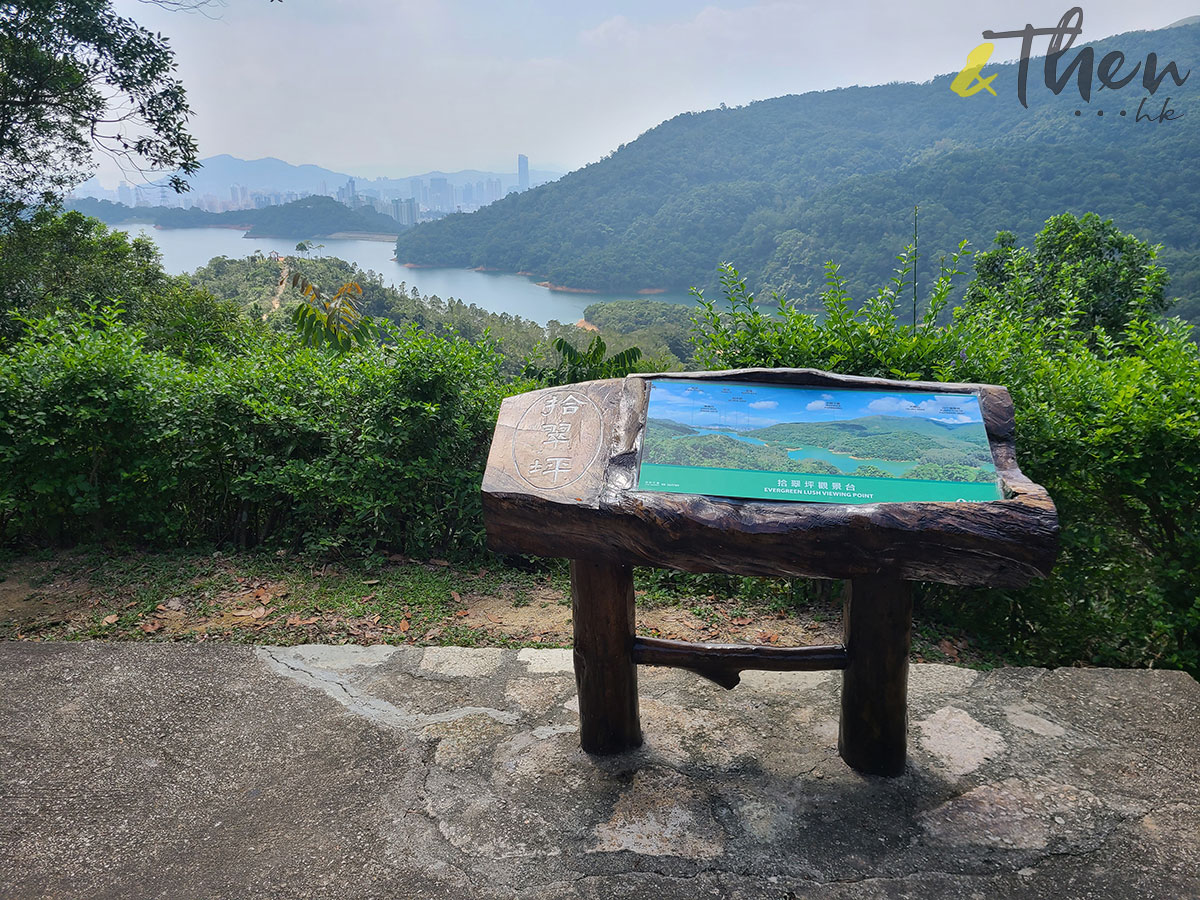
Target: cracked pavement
[{"x": 167, "y": 771}]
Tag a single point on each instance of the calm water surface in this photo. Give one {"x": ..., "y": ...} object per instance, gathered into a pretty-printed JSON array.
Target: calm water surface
[{"x": 186, "y": 249}]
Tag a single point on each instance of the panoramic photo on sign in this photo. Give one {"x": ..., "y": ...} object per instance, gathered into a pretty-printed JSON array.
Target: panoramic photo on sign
[{"x": 783, "y": 442}]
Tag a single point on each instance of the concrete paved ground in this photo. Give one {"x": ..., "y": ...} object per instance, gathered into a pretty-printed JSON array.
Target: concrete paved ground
[{"x": 161, "y": 771}]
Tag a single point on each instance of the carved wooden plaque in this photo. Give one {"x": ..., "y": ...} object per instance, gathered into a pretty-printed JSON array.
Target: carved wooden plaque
[{"x": 563, "y": 480}]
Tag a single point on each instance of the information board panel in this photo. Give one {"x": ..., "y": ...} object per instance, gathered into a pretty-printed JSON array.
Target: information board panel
[{"x": 787, "y": 442}]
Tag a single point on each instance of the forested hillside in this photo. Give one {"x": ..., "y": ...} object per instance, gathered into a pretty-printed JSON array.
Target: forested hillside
[
  {"x": 310, "y": 217},
  {"x": 783, "y": 185}
]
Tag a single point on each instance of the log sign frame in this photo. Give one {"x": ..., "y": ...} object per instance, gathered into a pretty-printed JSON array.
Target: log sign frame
[{"x": 564, "y": 479}]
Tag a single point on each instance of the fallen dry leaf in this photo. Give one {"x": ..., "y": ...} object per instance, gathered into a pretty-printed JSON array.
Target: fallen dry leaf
[
  {"x": 741, "y": 620},
  {"x": 368, "y": 598},
  {"x": 151, "y": 626},
  {"x": 404, "y": 626},
  {"x": 438, "y": 562},
  {"x": 109, "y": 620},
  {"x": 948, "y": 648},
  {"x": 296, "y": 620},
  {"x": 371, "y": 581},
  {"x": 457, "y": 597},
  {"x": 463, "y": 612}
]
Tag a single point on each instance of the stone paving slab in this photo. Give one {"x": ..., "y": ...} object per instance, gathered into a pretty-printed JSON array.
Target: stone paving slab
[{"x": 161, "y": 771}]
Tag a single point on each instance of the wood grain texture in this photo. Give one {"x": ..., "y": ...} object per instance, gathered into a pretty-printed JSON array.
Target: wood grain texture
[
  {"x": 723, "y": 663},
  {"x": 601, "y": 515},
  {"x": 877, "y": 621},
  {"x": 605, "y": 673}
]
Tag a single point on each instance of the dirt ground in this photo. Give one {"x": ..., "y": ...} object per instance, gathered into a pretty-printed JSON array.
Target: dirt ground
[{"x": 430, "y": 602}]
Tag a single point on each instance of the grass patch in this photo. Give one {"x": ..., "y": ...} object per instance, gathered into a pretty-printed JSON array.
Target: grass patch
[{"x": 107, "y": 593}]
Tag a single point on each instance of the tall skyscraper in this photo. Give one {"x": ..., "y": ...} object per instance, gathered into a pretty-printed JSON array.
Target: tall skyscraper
[
  {"x": 522, "y": 172},
  {"x": 441, "y": 194},
  {"x": 404, "y": 211}
]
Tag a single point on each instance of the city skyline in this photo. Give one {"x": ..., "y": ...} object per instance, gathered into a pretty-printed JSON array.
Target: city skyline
[{"x": 407, "y": 200}]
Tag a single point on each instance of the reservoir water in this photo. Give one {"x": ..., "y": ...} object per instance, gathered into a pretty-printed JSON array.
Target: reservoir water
[{"x": 186, "y": 249}]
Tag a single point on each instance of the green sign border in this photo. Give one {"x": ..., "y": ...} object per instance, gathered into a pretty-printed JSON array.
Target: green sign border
[{"x": 744, "y": 484}]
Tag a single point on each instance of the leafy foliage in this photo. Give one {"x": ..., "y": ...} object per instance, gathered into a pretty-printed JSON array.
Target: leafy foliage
[
  {"x": 334, "y": 322},
  {"x": 74, "y": 75},
  {"x": 65, "y": 261},
  {"x": 1086, "y": 257},
  {"x": 584, "y": 365},
  {"x": 1107, "y": 419},
  {"x": 651, "y": 324},
  {"x": 383, "y": 447}
]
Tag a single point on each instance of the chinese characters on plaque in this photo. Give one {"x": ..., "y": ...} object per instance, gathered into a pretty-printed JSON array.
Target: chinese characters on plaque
[{"x": 557, "y": 439}]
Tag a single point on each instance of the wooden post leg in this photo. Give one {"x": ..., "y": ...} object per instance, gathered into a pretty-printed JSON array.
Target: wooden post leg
[
  {"x": 602, "y": 608},
  {"x": 878, "y": 633}
]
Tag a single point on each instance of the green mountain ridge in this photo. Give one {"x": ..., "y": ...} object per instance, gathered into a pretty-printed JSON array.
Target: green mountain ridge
[
  {"x": 879, "y": 424},
  {"x": 781, "y": 186},
  {"x": 895, "y": 438},
  {"x": 310, "y": 217}
]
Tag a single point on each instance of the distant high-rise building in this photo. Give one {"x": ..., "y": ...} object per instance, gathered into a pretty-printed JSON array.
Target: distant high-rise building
[
  {"x": 522, "y": 172},
  {"x": 441, "y": 194},
  {"x": 125, "y": 194},
  {"x": 405, "y": 211}
]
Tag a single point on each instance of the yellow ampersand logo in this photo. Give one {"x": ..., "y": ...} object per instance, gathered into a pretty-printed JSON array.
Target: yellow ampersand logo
[{"x": 967, "y": 83}]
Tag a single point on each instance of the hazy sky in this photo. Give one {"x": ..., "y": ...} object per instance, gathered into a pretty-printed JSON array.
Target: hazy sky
[{"x": 396, "y": 87}]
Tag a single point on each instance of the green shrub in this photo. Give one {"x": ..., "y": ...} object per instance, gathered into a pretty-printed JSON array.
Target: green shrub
[
  {"x": 1109, "y": 423},
  {"x": 384, "y": 446}
]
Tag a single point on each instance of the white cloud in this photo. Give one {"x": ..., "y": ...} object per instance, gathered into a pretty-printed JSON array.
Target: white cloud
[
  {"x": 888, "y": 404},
  {"x": 953, "y": 420},
  {"x": 816, "y": 406},
  {"x": 764, "y": 404}
]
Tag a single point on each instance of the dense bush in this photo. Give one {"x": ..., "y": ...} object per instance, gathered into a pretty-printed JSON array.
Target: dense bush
[
  {"x": 1109, "y": 423},
  {"x": 101, "y": 436}
]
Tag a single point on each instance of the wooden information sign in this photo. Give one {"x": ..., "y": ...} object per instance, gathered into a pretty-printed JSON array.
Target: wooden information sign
[{"x": 774, "y": 472}]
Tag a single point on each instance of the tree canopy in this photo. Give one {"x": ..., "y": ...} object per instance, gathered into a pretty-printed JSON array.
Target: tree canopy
[{"x": 76, "y": 77}]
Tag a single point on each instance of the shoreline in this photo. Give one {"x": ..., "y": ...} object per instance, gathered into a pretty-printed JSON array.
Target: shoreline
[
  {"x": 562, "y": 288},
  {"x": 380, "y": 236}
]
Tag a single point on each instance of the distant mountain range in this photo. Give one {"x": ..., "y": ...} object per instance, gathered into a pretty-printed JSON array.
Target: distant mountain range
[
  {"x": 781, "y": 186},
  {"x": 218, "y": 173}
]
